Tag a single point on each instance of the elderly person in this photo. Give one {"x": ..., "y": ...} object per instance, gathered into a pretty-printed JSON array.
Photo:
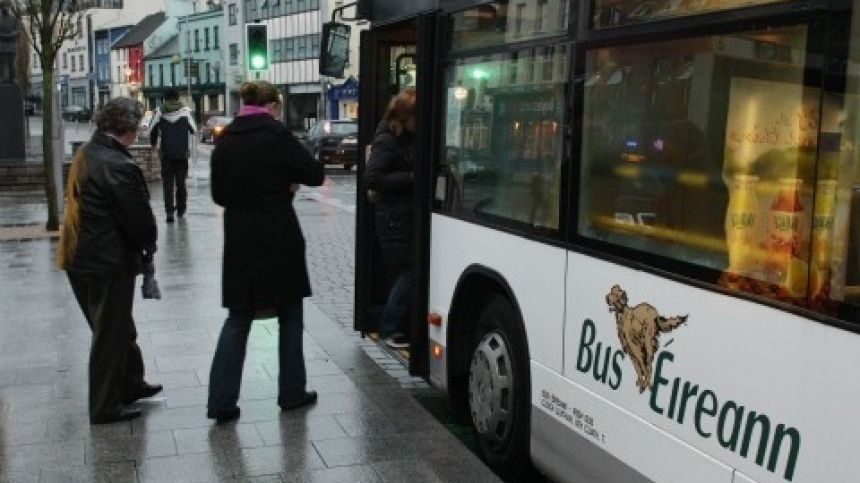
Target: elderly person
[
  {"x": 256, "y": 168},
  {"x": 108, "y": 231}
]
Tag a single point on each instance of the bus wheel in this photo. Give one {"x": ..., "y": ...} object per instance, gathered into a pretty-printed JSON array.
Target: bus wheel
[{"x": 499, "y": 390}]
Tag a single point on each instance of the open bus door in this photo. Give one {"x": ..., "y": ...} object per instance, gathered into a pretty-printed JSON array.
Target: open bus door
[{"x": 392, "y": 58}]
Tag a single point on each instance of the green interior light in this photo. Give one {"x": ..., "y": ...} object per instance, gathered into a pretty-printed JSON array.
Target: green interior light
[
  {"x": 258, "y": 61},
  {"x": 479, "y": 73}
]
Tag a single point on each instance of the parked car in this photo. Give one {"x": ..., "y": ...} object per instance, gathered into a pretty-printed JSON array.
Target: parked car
[
  {"x": 213, "y": 128},
  {"x": 334, "y": 142},
  {"x": 29, "y": 108},
  {"x": 77, "y": 113}
]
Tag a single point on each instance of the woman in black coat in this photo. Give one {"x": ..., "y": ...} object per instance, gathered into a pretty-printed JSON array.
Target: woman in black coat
[
  {"x": 108, "y": 232},
  {"x": 256, "y": 168},
  {"x": 391, "y": 181}
]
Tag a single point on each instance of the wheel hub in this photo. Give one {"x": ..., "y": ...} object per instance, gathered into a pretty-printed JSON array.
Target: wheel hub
[{"x": 491, "y": 389}]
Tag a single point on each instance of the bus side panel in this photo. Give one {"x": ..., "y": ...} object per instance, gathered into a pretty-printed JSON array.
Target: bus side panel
[
  {"x": 601, "y": 442},
  {"x": 741, "y": 478},
  {"x": 534, "y": 271},
  {"x": 759, "y": 389}
]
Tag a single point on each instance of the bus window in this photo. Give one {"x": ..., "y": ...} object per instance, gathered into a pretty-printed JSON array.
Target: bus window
[
  {"x": 705, "y": 150},
  {"x": 504, "y": 22},
  {"x": 613, "y": 13},
  {"x": 503, "y": 136}
]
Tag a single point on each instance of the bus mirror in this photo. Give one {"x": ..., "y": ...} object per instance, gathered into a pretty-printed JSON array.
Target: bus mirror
[{"x": 334, "y": 49}]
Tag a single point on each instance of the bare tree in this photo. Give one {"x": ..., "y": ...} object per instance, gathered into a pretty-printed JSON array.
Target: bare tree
[{"x": 48, "y": 24}]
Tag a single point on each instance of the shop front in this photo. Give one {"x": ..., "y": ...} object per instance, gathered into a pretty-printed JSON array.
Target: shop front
[{"x": 343, "y": 100}]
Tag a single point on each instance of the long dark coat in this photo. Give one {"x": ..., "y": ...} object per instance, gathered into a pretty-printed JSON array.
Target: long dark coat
[
  {"x": 253, "y": 165},
  {"x": 390, "y": 174}
]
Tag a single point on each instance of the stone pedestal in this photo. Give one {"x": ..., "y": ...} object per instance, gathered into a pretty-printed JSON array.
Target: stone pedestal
[{"x": 147, "y": 160}]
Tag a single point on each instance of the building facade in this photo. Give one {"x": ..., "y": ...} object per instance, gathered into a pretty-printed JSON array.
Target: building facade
[
  {"x": 294, "y": 28},
  {"x": 81, "y": 59},
  {"x": 104, "y": 40},
  {"x": 196, "y": 49},
  {"x": 128, "y": 54}
]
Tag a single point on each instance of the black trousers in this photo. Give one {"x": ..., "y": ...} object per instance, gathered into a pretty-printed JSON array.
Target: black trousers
[
  {"x": 173, "y": 174},
  {"x": 116, "y": 364}
]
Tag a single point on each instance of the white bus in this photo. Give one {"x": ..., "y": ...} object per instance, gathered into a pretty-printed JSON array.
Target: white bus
[{"x": 637, "y": 237}]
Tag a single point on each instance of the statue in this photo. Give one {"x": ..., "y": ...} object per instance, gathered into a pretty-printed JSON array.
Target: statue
[{"x": 11, "y": 92}]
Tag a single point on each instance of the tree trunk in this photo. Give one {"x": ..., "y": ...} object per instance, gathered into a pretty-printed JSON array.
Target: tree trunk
[{"x": 48, "y": 89}]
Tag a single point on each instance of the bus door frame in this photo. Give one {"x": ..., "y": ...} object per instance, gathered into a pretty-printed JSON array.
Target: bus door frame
[{"x": 372, "y": 41}]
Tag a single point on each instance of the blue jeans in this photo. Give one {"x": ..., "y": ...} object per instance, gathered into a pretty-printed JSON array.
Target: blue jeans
[
  {"x": 397, "y": 306},
  {"x": 225, "y": 377}
]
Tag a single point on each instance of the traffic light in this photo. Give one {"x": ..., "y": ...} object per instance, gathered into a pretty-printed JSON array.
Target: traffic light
[{"x": 257, "y": 40}]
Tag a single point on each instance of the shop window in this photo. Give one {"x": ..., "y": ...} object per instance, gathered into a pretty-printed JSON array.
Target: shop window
[
  {"x": 613, "y": 13},
  {"x": 505, "y": 22},
  {"x": 503, "y": 142},
  {"x": 714, "y": 151}
]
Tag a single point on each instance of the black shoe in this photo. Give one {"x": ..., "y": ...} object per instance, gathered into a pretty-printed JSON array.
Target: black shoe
[
  {"x": 124, "y": 414},
  {"x": 223, "y": 415},
  {"x": 309, "y": 398},
  {"x": 180, "y": 213},
  {"x": 397, "y": 341},
  {"x": 170, "y": 219},
  {"x": 146, "y": 391}
]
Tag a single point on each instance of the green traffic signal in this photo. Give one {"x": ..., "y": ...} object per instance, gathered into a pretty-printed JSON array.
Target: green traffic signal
[
  {"x": 258, "y": 48},
  {"x": 258, "y": 61}
]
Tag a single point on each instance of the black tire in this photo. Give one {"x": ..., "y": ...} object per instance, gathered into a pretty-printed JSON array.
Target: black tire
[
  {"x": 347, "y": 167},
  {"x": 503, "y": 441}
]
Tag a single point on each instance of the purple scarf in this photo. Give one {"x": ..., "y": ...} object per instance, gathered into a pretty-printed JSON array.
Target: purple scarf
[{"x": 253, "y": 110}]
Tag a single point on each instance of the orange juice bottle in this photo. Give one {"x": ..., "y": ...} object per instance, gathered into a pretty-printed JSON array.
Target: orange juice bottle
[
  {"x": 822, "y": 236},
  {"x": 785, "y": 265},
  {"x": 742, "y": 224}
]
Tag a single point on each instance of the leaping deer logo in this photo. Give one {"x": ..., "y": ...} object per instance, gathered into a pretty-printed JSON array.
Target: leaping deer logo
[{"x": 639, "y": 330}]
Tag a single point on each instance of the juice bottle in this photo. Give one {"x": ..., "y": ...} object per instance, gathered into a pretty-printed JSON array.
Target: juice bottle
[
  {"x": 742, "y": 224},
  {"x": 822, "y": 237},
  {"x": 785, "y": 265}
]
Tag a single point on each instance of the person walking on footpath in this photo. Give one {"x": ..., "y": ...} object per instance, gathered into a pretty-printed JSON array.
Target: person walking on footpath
[
  {"x": 108, "y": 235},
  {"x": 174, "y": 124},
  {"x": 391, "y": 184},
  {"x": 256, "y": 168}
]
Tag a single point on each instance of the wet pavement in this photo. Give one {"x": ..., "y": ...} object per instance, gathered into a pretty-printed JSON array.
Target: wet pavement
[{"x": 365, "y": 427}]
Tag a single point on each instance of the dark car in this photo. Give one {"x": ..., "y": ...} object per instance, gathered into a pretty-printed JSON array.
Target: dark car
[
  {"x": 334, "y": 142},
  {"x": 77, "y": 113},
  {"x": 213, "y": 128},
  {"x": 29, "y": 108}
]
